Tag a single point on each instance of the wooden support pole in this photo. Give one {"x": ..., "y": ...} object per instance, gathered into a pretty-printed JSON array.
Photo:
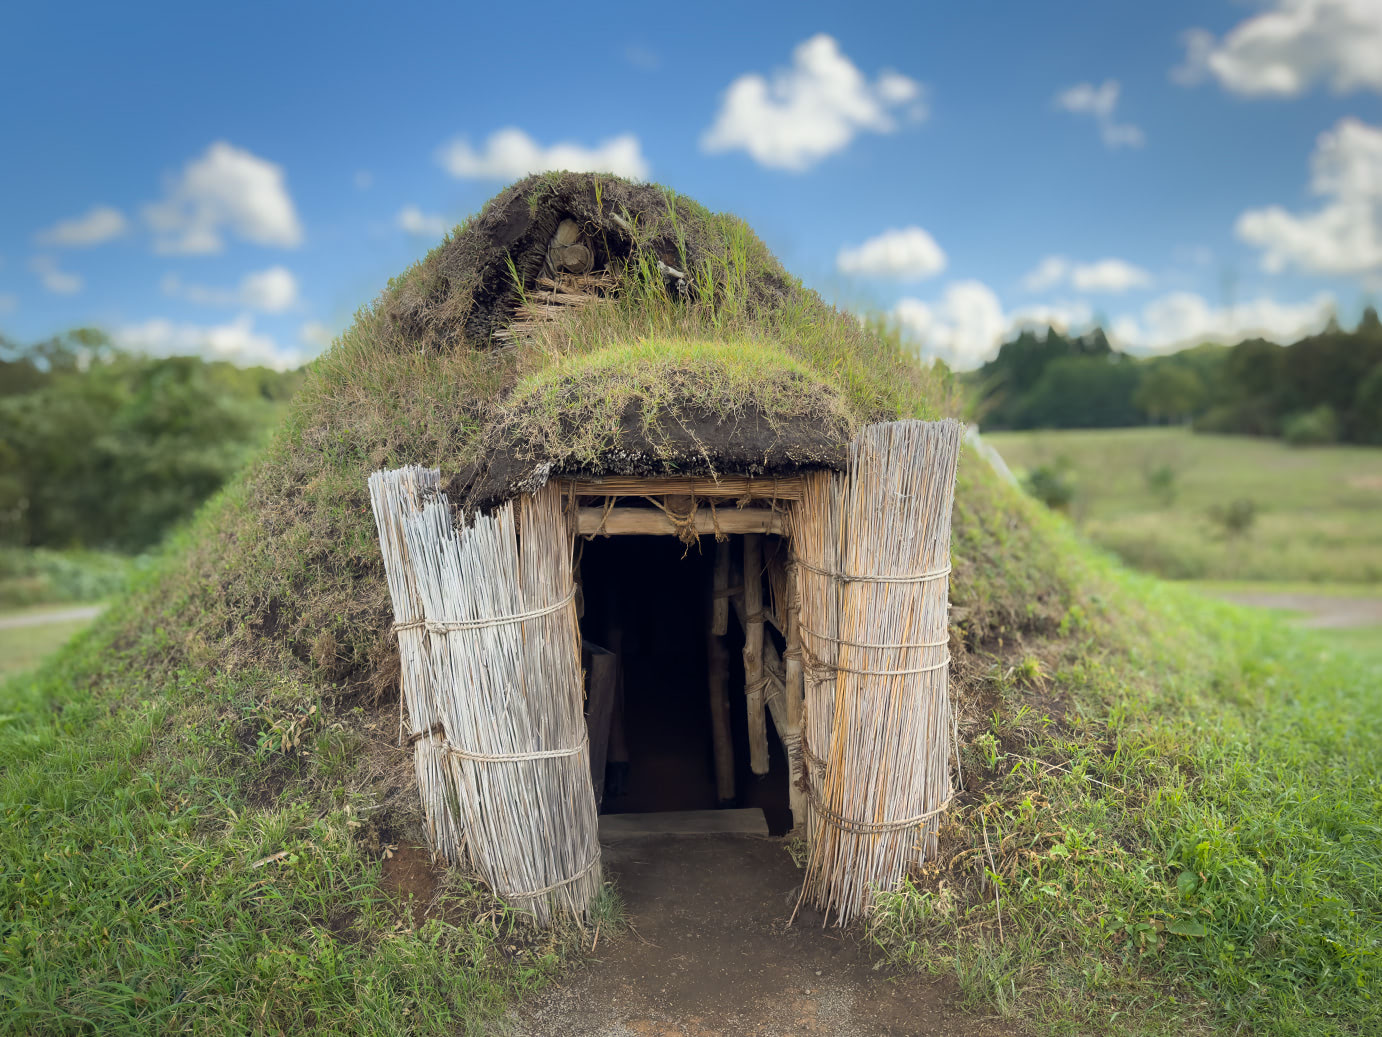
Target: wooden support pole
[
  {"x": 650, "y": 521},
  {"x": 753, "y": 652},
  {"x": 796, "y": 700},
  {"x": 732, "y": 487},
  {"x": 717, "y": 660},
  {"x": 719, "y": 602}
]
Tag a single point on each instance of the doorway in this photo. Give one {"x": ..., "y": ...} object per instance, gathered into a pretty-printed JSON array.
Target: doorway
[{"x": 647, "y": 600}]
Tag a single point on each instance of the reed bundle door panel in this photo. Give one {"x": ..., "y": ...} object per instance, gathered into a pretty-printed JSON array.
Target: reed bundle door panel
[
  {"x": 505, "y": 655},
  {"x": 872, "y": 549}
]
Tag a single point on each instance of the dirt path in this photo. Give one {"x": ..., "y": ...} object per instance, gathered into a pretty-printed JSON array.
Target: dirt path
[
  {"x": 711, "y": 954},
  {"x": 1320, "y": 611},
  {"x": 35, "y": 619}
]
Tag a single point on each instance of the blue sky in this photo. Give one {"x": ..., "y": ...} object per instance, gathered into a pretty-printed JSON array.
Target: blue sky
[{"x": 237, "y": 180}]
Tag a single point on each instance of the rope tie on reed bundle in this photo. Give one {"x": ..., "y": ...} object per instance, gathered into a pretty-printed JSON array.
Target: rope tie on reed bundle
[
  {"x": 446, "y": 626},
  {"x": 818, "y": 670},
  {"x": 844, "y": 577},
  {"x": 806, "y": 754},
  {"x": 536, "y": 754},
  {"x": 591, "y": 864},
  {"x": 847, "y": 824}
]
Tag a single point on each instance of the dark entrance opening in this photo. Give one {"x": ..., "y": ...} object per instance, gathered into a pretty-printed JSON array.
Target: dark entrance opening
[{"x": 647, "y": 599}]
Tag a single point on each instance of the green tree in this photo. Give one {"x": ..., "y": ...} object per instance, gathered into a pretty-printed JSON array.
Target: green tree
[
  {"x": 105, "y": 449},
  {"x": 1367, "y": 408},
  {"x": 1169, "y": 392}
]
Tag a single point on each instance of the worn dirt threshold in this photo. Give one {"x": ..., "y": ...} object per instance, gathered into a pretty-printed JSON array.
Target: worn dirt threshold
[{"x": 710, "y": 953}]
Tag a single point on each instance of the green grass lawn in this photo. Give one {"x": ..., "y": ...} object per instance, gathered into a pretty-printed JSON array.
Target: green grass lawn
[
  {"x": 22, "y": 648},
  {"x": 1173, "y": 826},
  {"x": 1319, "y": 509},
  {"x": 150, "y": 881}
]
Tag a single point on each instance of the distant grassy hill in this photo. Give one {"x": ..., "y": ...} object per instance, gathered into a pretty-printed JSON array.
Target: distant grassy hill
[
  {"x": 1170, "y": 820},
  {"x": 1156, "y": 497}
]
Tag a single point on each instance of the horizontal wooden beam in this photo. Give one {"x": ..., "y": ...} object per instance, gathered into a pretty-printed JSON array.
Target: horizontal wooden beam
[
  {"x": 734, "y": 487},
  {"x": 651, "y": 522}
]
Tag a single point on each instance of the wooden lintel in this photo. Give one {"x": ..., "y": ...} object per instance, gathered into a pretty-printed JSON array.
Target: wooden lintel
[
  {"x": 651, "y": 522},
  {"x": 732, "y": 487}
]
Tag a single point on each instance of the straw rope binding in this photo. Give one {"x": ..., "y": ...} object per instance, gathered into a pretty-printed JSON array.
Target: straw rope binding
[
  {"x": 844, "y": 577},
  {"x": 446, "y": 626},
  {"x": 540, "y": 754},
  {"x": 847, "y": 824}
]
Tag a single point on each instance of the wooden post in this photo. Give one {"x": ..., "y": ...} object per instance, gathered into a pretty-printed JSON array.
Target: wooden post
[
  {"x": 602, "y": 674},
  {"x": 753, "y": 652},
  {"x": 796, "y": 699},
  {"x": 717, "y": 663},
  {"x": 719, "y": 602}
]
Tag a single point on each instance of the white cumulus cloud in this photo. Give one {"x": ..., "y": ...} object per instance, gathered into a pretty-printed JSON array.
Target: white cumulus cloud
[
  {"x": 510, "y": 153},
  {"x": 55, "y": 279},
  {"x": 98, "y": 224},
  {"x": 315, "y": 335},
  {"x": 272, "y": 291},
  {"x": 236, "y": 341},
  {"x": 908, "y": 253},
  {"x": 1101, "y": 102},
  {"x": 1343, "y": 236},
  {"x": 227, "y": 189},
  {"x": 964, "y": 327},
  {"x": 1108, "y": 275},
  {"x": 1104, "y": 275},
  {"x": 1282, "y": 51},
  {"x": 424, "y": 224},
  {"x": 810, "y": 110},
  {"x": 967, "y": 324},
  {"x": 1185, "y": 319}
]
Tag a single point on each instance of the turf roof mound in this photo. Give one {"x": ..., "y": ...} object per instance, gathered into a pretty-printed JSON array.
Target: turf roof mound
[{"x": 469, "y": 286}]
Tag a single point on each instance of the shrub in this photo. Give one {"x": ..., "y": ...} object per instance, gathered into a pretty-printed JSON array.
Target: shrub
[
  {"x": 1161, "y": 481},
  {"x": 1235, "y": 519},
  {"x": 1312, "y": 427},
  {"x": 1052, "y": 484}
]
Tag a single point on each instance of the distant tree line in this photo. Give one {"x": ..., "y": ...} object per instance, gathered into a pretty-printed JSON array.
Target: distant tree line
[
  {"x": 101, "y": 448},
  {"x": 1325, "y": 388}
]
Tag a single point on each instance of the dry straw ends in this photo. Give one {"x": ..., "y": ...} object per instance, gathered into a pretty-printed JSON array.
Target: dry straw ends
[{"x": 873, "y": 551}]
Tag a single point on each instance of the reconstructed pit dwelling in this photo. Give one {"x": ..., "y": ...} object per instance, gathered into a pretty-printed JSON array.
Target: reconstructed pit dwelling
[{"x": 728, "y": 597}]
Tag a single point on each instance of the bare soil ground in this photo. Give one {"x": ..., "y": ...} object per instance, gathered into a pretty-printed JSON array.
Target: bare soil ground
[
  {"x": 709, "y": 951},
  {"x": 34, "y": 619},
  {"x": 1319, "y": 611}
]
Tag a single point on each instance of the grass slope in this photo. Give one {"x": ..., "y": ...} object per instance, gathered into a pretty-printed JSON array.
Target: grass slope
[
  {"x": 1175, "y": 810},
  {"x": 196, "y": 796},
  {"x": 1319, "y": 509}
]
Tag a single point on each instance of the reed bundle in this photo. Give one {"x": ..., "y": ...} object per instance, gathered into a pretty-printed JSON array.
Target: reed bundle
[
  {"x": 873, "y": 550},
  {"x": 505, "y": 653},
  {"x": 394, "y": 496}
]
